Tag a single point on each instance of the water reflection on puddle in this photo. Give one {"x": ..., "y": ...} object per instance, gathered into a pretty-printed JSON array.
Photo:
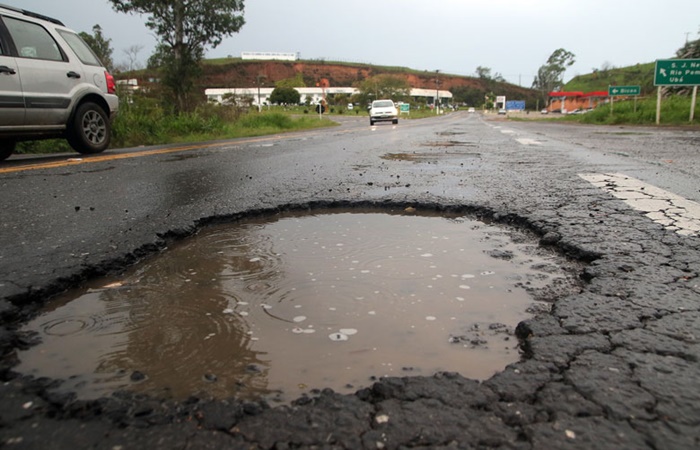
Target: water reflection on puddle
[{"x": 275, "y": 307}]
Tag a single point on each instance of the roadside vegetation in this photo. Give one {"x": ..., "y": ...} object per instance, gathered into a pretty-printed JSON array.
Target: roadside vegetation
[
  {"x": 144, "y": 120},
  {"x": 675, "y": 110}
]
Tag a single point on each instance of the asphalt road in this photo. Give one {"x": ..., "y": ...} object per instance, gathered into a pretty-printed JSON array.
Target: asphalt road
[{"x": 614, "y": 366}]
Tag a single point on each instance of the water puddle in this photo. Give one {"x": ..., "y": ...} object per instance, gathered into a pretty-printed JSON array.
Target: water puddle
[
  {"x": 275, "y": 307},
  {"x": 429, "y": 157}
]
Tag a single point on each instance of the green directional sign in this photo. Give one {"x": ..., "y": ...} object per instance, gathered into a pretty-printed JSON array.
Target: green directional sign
[
  {"x": 624, "y": 90},
  {"x": 677, "y": 72}
]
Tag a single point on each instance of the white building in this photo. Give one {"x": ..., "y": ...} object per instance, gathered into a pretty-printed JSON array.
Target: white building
[
  {"x": 313, "y": 94},
  {"x": 280, "y": 56}
]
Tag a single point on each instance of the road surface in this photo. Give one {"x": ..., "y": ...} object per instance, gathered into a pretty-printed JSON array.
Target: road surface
[{"x": 614, "y": 366}]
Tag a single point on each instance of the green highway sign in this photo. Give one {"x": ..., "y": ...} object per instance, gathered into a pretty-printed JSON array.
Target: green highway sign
[
  {"x": 677, "y": 72},
  {"x": 624, "y": 90}
]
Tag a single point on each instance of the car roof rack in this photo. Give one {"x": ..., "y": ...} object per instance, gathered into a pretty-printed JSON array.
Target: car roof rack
[{"x": 32, "y": 14}]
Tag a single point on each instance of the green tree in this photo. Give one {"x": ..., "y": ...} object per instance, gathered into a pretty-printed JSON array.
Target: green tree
[
  {"x": 489, "y": 100},
  {"x": 285, "y": 96},
  {"x": 341, "y": 99},
  {"x": 296, "y": 81},
  {"x": 468, "y": 95},
  {"x": 100, "y": 45},
  {"x": 498, "y": 77},
  {"x": 383, "y": 86},
  {"x": 483, "y": 72},
  {"x": 550, "y": 75},
  {"x": 184, "y": 29}
]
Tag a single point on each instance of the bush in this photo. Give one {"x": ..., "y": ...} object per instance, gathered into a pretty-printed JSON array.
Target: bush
[
  {"x": 267, "y": 120},
  {"x": 143, "y": 121}
]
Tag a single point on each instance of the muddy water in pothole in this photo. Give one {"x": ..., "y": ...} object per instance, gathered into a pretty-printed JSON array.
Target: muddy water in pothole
[{"x": 274, "y": 307}]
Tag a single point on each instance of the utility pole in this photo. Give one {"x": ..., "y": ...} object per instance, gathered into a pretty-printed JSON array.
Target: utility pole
[
  {"x": 258, "y": 79},
  {"x": 437, "y": 92}
]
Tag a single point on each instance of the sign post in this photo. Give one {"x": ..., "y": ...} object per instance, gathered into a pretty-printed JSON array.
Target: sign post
[
  {"x": 614, "y": 91},
  {"x": 624, "y": 90},
  {"x": 676, "y": 72}
]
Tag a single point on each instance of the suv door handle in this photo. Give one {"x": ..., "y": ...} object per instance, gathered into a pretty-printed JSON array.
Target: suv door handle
[
  {"x": 7, "y": 70},
  {"x": 72, "y": 74}
]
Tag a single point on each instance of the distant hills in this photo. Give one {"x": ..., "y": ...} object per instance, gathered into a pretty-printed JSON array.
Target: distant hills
[{"x": 234, "y": 72}]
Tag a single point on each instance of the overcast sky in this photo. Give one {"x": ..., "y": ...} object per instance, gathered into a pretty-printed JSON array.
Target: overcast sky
[{"x": 512, "y": 37}]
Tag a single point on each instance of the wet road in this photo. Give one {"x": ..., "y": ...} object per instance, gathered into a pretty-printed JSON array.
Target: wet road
[{"x": 615, "y": 366}]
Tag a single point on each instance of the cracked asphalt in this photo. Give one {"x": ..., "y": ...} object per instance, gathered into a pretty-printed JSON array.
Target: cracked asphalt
[{"x": 614, "y": 366}]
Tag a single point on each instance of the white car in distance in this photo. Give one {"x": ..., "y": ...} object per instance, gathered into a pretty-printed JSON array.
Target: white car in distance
[{"x": 383, "y": 111}]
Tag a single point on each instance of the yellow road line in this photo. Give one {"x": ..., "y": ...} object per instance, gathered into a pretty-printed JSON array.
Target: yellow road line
[{"x": 162, "y": 151}]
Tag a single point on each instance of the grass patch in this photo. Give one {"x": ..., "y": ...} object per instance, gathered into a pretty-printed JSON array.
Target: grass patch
[
  {"x": 674, "y": 111},
  {"x": 145, "y": 122}
]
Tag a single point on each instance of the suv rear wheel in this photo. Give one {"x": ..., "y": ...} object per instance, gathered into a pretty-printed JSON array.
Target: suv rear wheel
[
  {"x": 90, "y": 130},
  {"x": 6, "y": 148}
]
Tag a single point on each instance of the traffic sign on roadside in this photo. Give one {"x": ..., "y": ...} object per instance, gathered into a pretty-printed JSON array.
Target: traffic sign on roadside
[
  {"x": 624, "y": 90},
  {"x": 677, "y": 72}
]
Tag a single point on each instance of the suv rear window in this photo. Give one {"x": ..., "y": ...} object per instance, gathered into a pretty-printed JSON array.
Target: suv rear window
[
  {"x": 383, "y": 104},
  {"x": 80, "y": 48},
  {"x": 32, "y": 40}
]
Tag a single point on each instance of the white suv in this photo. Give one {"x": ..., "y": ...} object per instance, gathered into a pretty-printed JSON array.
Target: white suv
[{"x": 51, "y": 85}]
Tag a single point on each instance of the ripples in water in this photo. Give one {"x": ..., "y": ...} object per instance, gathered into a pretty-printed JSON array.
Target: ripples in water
[{"x": 274, "y": 307}]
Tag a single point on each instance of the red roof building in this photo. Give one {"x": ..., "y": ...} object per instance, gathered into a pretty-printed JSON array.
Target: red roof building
[{"x": 572, "y": 100}]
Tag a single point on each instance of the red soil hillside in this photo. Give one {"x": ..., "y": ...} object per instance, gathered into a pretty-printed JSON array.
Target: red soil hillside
[{"x": 244, "y": 74}]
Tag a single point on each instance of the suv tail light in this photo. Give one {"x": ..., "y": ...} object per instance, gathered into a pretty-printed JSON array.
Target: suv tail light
[{"x": 111, "y": 85}]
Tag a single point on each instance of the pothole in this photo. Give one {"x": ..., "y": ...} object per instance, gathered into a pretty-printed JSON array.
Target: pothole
[
  {"x": 273, "y": 307},
  {"x": 448, "y": 144},
  {"x": 422, "y": 157}
]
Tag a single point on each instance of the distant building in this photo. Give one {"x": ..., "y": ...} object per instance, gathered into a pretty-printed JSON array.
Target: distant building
[
  {"x": 313, "y": 94},
  {"x": 570, "y": 101},
  {"x": 270, "y": 56}
]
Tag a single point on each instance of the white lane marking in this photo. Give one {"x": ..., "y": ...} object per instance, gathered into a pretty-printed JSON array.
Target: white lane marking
[
  {"x": 528, "y": 141},
  {"x": 665, "y": 208},
  {"x": 506, "y": 131}
]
